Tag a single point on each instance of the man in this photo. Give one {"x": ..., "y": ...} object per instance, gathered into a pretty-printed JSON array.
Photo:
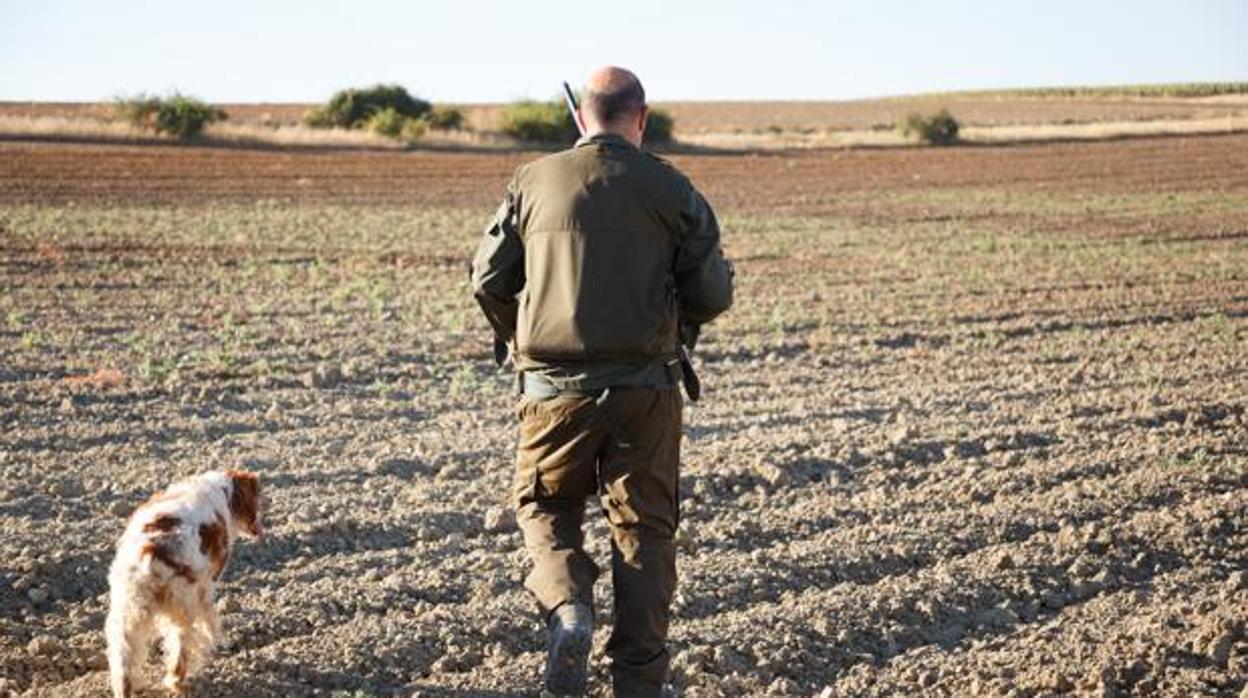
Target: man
[{"x": 600, "y": 257}]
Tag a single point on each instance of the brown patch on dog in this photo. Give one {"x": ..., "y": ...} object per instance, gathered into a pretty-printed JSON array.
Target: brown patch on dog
[
  {"x": 214, "y": 543},
  {"x": 160, "y": 595},
  {"x": 245, "y": 500},
  {"x": 160, "y": 551},
  {"x": 156, "y": 497},
  {"x": 163, "y": 523}
]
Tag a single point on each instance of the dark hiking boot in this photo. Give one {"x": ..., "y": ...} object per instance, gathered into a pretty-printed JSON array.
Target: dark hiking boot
[
  {"x": 667, "y": 690},
  {"x": 567, "y": 663}
]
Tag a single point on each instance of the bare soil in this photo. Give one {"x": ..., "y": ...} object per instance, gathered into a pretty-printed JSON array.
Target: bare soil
[
  {"x": 797, "y": 182},
  {"x": 977, "y": 425}
]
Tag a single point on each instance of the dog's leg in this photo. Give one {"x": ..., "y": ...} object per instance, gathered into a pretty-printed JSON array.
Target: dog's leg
[
  {"x": 118, "y": 653},
  {"x": 178, "y": 649},
  {"x": 204, "y": 631},
  {"x": 128, "y": 631},
  {"x": 214, "y": 624},
  {"x": 211, "y": 621},
  {"x": 179, "y": 634}
]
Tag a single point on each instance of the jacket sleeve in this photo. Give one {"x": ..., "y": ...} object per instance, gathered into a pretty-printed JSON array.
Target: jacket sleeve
[
  {"x": 703, "y": 276},
  {"x": 498, "y": 269}
]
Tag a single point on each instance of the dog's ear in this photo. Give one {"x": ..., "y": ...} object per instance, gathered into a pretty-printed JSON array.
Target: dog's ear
[{"x": 245, "y": 500}]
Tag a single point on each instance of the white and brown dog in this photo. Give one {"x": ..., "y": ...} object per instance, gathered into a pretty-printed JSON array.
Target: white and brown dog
[{"x": 163, "y": 579}]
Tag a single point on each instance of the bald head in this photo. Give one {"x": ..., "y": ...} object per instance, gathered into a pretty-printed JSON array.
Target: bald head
[{"x": 614, "y": 101}]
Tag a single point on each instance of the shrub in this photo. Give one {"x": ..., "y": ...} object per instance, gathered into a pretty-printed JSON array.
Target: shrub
[
  {"x": 659, "y": 125},
  {"x": 539, "y": 122},
  {"x": 317, "y": 118},
  {"x": 386, "y": 122},
  {"x": 390, "y": 123},
  {"x": 180, "y": 116},
  {"x": 186, "y": 117},
  {"x": 139, "y": 111},
  {"x": 445, "y": 118},
  {"x": 414, "y": 129},
  {"x": 934, "y": 129},
  {"x": 351, "y": 108}
]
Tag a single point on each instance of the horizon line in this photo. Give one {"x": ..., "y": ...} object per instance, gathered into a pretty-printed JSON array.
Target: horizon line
[{"x": 1234, "y": 87}]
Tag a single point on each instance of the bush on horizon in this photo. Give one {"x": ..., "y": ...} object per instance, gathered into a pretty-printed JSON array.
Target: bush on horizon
[
  {"x": 933, "y": 129},
  {"x": 539, "y": 122},
  {"x": 444, "y": 118},
  {"x": 659, "y": 127},
  {"x": 387, "y": 122},
  {"x": 177, "y": 115},
  {"x": 355, "y": 107}
]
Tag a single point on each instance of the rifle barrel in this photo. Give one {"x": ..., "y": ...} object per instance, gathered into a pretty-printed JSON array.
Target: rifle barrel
[{"x": 570, "y": 97}]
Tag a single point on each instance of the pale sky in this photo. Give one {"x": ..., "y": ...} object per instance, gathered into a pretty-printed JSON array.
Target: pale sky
[{"x": 463, "y": 51}]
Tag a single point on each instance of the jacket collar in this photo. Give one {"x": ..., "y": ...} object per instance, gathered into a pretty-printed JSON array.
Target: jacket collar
[{"x": 605, "y": 137}]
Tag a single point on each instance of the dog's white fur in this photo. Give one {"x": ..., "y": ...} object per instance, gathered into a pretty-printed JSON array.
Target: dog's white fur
[{"x": 162, "y": 580}]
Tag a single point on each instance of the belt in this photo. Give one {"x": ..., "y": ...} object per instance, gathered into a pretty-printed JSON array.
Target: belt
[{"x": 538, "y": 387}]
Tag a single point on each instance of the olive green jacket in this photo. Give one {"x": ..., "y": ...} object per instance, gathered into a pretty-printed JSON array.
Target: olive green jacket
[{"x": 596, "y": 257}]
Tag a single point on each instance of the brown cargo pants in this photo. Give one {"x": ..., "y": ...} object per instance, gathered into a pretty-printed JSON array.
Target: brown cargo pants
[{"x": 626, "y": 450}]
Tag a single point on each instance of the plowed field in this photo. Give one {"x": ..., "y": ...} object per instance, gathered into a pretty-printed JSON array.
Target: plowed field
[{"x": 977, "y": 425}]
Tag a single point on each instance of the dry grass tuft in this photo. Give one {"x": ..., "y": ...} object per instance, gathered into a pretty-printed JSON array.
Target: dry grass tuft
[
  {"x": 101, "y": 379},
  {"x": 69, "y": 127},
  {"x": 784, "y": 139},
  {"x": 227, "y": 133},
  {"x": 249, "y": 134},
  {"x": 1109, "y": 129},
  {"x": 52, "y": 254}
]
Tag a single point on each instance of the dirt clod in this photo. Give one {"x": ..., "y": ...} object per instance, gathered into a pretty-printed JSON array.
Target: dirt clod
[
  {"x": 774, "y": 475},
  {"x": 42, "y": 645},
  {"x": 499, "y": 520}
]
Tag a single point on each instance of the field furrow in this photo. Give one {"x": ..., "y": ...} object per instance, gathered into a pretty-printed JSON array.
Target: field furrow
[{"x": 977, "y": 424}]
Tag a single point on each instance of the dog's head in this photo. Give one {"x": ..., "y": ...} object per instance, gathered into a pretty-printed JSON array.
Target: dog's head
[{"x": 245, "y": 502}]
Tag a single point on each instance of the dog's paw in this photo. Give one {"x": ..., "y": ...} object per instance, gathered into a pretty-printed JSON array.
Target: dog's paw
[{"x": 177, "y": 685}]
